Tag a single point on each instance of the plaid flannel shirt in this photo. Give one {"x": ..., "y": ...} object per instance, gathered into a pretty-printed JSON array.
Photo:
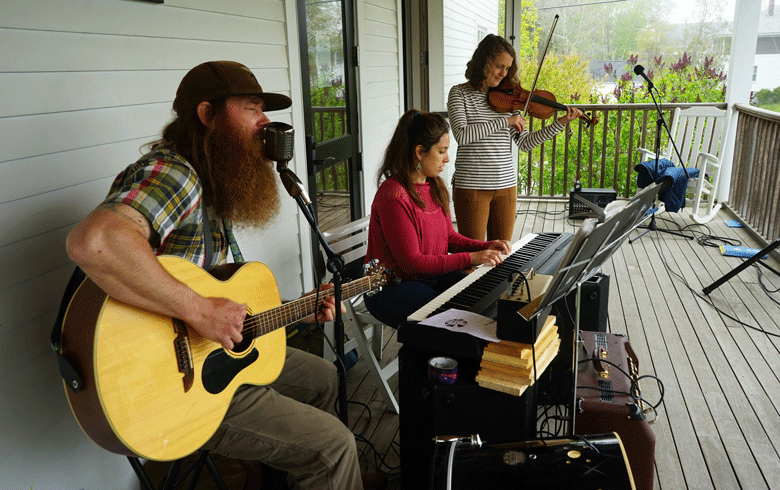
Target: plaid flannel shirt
[{"x": 166, "y": 190}]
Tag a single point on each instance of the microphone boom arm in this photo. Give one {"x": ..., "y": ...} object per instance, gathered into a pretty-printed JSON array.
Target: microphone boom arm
[{"x": 292, "y": 183}]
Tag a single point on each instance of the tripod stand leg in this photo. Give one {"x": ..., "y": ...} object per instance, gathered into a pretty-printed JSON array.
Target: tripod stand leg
[
  {"x": 652, "y": 226},
  {"x": 744, "y": 265},
  {"x": 648, "y": 229}
]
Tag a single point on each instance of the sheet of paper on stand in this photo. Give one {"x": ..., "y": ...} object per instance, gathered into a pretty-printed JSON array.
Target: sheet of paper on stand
[{"x": 466, "y": 322}]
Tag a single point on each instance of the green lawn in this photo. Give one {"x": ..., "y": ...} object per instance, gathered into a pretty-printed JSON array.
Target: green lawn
[{"x": 771, "y": 107}]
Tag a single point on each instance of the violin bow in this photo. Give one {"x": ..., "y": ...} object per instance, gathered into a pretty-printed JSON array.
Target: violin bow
[{"x": 539, "y": 70}]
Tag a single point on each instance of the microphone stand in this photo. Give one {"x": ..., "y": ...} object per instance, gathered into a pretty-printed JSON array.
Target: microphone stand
[
  {"x": 335, "y": 265},
  {"x": 660, "y": 122}
]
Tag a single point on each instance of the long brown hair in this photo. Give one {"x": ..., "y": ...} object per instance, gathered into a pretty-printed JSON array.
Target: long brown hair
[
  {"x": 487, "y": 50},
  {"x": 415, "y": 128},
  {"x": 189, "y": 137}
]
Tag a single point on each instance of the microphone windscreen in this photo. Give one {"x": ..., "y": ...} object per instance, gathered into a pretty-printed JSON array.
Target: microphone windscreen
[
  {"x": 639, "y": 69},
  {"x": 279, "y": 138}
]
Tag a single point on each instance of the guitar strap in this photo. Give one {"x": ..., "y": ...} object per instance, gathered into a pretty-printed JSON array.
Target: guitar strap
[
  {"x": 237, "y": 256},
  {"x": 68, "y": 371},
  {"x": 208, "y": 240},
  {"x": 231, "y": 238}
]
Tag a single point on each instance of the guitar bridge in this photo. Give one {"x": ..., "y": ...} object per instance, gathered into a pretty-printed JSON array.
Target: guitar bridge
[{"x": 181, "y": 346}]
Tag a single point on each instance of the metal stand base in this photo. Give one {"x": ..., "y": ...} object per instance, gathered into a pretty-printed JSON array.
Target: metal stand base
[
  {"x": 174, "y": 479},
  {"x": 654, "y": 227}
]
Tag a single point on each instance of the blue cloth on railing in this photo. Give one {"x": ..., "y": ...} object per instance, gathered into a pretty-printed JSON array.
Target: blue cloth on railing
[{"x": 673, "y": 196}]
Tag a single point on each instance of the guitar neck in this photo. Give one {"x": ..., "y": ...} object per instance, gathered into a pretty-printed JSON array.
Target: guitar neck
[{"x": 295, "y": 311}]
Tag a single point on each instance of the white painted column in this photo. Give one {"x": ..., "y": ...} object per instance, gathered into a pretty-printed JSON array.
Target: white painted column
[
  {"x": 740, "y": 75},
  {"x": 436, "y": 97}
]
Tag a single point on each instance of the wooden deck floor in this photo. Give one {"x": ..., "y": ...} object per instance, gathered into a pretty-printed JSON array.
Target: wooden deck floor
[{"x": 719, "y": 424}]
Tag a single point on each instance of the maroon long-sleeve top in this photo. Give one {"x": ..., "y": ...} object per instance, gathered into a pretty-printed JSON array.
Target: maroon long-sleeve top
[{"x": 412, "y": 241}]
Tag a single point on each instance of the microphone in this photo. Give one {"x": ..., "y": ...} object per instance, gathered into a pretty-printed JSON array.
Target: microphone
[
  {"x": 640, "y": 70},
  {"x": 279, "y": 139}
]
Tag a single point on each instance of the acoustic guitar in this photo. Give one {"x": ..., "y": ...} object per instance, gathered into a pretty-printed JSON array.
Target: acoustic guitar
[{"x": 156, "y": 389}]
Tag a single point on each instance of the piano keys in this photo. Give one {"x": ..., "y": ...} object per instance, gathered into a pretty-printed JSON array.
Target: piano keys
[{"x": 479, "y": 291}]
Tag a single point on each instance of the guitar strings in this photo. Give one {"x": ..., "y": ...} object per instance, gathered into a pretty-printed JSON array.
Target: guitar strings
[
  {"x": 273, "y": 319},
  {"x": 297, "y": 310}
]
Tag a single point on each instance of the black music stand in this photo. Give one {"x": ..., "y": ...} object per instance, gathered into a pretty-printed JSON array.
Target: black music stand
[
  {"x": 592, "y": 245},
  {"x": 660, "y": 122}
]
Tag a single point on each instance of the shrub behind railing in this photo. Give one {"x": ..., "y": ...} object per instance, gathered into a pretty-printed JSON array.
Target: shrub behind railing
[
  {"x": 602, "y": 155},
  {"x": 329, "y": 123}
]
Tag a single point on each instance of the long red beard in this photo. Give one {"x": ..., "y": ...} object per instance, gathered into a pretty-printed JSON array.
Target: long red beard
[{"x": 243, "y": 178}]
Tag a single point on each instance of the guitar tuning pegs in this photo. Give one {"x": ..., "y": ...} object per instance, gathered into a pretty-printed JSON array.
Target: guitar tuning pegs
[{"x": 370, "y": 264}]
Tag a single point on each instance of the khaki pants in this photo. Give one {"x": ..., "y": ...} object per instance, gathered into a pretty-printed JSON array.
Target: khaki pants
[
  {"x": 291, "y": 425},
  {"x": 477, "y": 211}
]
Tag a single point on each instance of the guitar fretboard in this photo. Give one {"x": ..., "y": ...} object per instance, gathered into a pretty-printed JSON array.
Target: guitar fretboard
[{"x": 296, "y": 310}]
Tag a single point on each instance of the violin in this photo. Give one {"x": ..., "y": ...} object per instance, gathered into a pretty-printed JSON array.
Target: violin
[
  {"x": 541, "y": 104},
  {"x": 509, "y": 97}
]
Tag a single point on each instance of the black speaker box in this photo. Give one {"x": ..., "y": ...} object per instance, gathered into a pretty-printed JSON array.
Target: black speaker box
[
  {"x": 593, "y": 317},
  {"x": 594, "y": 303},
  {"x": 430, "y": 409}
]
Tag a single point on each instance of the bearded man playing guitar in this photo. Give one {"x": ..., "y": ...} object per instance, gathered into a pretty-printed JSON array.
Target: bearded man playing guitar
[{"x": 209, "y": 160}]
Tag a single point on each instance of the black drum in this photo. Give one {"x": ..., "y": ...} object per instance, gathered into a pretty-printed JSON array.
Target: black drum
[{"x": 582, "y": 463}]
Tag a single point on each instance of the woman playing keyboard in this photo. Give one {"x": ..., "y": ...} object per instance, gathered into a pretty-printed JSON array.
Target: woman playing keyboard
[{"x": 411, "y": 231}]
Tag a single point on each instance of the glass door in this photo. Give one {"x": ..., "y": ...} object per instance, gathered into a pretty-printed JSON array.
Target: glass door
[{"x": 330, "y": 109}]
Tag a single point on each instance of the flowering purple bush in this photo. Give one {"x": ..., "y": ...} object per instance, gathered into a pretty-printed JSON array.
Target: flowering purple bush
[{"x": 683, "y": 81}]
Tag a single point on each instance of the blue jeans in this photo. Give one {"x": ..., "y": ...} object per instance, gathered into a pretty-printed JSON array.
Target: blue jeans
[{"x": 397, "y": 300}]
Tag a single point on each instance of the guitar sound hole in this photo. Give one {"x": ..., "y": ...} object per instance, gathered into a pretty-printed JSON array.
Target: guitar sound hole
[
  {"x": 247, "y": 333},
  {"x": 242, "y": 346}
]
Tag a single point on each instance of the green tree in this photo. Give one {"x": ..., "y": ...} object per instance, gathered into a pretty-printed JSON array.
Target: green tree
[
  {"x": 567, "y": 78},
  {"x": 529, "y": 29},
  {"x": 698, "y": 34},
  {"x": 501, "y": 31},
  {"x": 606, "y": 31}
]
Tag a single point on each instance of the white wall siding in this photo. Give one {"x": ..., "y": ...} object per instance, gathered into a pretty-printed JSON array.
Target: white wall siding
[
  {"x": 453, "y": 38},
  {"x": 461, "y": 19},
  {"x": 82, "y": 87},
  {"x": 380, "y": 80}
]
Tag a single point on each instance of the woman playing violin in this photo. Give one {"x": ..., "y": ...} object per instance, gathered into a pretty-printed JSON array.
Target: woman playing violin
[{"x": 485, "y": 180}]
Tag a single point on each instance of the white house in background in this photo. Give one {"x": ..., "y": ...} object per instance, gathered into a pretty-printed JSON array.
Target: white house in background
[
  {"x": 766, "y": 72},
  {"x": 766, "y": 66}
]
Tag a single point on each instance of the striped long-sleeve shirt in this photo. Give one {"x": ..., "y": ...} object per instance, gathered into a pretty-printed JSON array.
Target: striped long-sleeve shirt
[{"x": 484, "y": 158}]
